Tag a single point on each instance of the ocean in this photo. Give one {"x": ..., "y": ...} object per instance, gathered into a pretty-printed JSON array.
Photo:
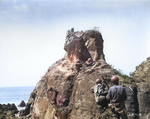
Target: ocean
[{"x": 15, "y": 94}]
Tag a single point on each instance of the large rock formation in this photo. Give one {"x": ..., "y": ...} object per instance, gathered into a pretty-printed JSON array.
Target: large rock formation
[
  {"x": 64, "y": 91},
  {"x": 83, "y": 45},
  {"x": 142, "y": 79}
]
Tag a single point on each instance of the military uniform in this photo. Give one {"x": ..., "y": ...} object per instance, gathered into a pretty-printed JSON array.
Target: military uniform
[
  {"x": 100, "y": 99},
  {"x": 117, "y": 96}
]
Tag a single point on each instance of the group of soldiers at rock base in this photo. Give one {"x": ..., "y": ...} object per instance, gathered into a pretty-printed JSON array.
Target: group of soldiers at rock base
[{"x": 112, "y": 97}]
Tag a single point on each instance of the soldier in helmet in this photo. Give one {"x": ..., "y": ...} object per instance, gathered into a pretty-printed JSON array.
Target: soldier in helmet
[
  {"x": 100, "y": 91},
  {"x": 117, "y": 96}
]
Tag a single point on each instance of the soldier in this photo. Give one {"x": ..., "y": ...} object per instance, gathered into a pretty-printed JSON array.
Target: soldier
[
  {"x": 100, "y": 91},
  {"x": 117, "y": 96}
]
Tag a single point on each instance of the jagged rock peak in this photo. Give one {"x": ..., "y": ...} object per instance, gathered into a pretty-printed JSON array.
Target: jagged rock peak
[{"x": 81, "y": 45}]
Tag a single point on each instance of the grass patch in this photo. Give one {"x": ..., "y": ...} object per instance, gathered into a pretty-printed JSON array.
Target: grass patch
[{"x": 127, "y": 79}]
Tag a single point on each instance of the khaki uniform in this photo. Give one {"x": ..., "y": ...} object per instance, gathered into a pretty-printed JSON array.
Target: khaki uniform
[{"x": 119, "y": 109}]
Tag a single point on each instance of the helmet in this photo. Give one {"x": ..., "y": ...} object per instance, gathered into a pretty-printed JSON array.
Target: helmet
[
  {"x": 98, "y": 81},
  {"x": 115, "y": 79}
]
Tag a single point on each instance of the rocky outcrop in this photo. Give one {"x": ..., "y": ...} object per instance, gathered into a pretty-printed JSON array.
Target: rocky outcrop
[
  {"x": 26, "y": 111},
  {"x": 22, "y": 104},
  {"x": 64, "y": 91},
  {"x": 62, "y": 95},
  {"x": 84, "y": 45},
  {"x": 8, "y": 111},
  {"x": 94, "y": 43},
  {"x": 131, "y": 103},
  {"x": 142, "y": 79}
]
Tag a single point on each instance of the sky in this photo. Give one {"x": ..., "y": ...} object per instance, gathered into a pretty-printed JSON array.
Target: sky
[{"x": 32, "y": 34}]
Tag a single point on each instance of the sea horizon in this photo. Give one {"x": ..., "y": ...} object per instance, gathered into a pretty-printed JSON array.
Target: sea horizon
[
  {"x": 14, "y": 86},
  {"x": 15, "y": 94}
]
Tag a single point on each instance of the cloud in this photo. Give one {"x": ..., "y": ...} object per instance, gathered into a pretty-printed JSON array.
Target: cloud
[
  {"x": 22, "y": 7},
  {"x": 14, "y": 1},
  {"x": 7, "y": 16}
]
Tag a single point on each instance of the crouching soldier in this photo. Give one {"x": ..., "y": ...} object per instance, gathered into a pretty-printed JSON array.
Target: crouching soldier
[
  {"x": 100, "y": 91},
  {"x": 117, "y": 96}
]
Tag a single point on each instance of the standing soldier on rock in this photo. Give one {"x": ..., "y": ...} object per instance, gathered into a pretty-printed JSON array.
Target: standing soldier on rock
[{"x": 117, "y": 96}]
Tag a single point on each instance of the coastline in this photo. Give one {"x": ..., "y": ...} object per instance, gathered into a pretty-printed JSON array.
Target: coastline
[{"x": 15, "y": 94}]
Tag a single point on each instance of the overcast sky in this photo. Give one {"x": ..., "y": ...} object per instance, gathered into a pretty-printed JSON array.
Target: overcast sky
[{"x": 32, "y": 34}]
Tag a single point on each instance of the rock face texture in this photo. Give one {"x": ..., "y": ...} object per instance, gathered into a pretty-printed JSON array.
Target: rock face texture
[
  {"x": 131, "y": 103},
  {"x": 84, "y": 45},
  {"x": 94, "y": 43},
  {"x": 64, "y": 91},
  {"x": 142, "y": 79}
]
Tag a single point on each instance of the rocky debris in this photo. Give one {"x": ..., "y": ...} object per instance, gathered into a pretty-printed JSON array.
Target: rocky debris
[
  {"x": 22, "y": 104},
  {"x": 64, "y": 91},
  {"x": 8, "y": 111},
  {"x": 142, "y": 78},
  {"x": 25, "y": 111}
]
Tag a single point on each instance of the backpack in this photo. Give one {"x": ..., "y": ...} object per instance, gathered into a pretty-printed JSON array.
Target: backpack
[
  {"x": 101, "y": 94},
  {"x": 101, "y": 90}
]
